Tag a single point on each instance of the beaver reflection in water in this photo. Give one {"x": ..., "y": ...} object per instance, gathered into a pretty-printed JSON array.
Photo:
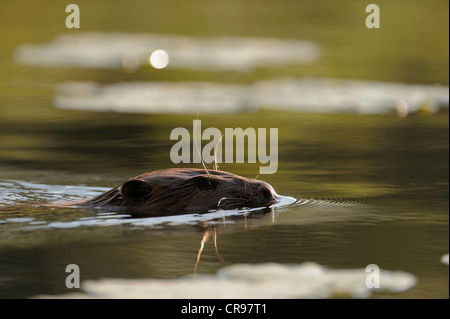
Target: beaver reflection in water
[{"x": 185, "y": 190}]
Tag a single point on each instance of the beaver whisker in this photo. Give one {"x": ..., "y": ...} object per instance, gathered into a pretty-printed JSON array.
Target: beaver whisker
[
  {"x": 197, "y": 148},
  {"x": 181, "y": 191},
  {"x": 216, "y": 164},
  {"x": 230, "y": 202}
]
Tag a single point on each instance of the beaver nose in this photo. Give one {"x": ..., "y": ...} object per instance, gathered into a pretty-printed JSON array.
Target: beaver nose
[{"x": 267, "y": 191}]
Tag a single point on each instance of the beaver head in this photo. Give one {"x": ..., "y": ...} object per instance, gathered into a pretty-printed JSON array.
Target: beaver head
[{"x": 186, "y": 190}]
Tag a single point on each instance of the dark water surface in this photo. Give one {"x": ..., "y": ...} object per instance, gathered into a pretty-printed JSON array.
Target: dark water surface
[
  {"x": 370, "y": 189},
  {"x": 375, "y": 192}
]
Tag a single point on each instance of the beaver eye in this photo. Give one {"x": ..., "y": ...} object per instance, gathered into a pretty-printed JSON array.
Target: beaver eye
[{"x": 206, "y": 183}]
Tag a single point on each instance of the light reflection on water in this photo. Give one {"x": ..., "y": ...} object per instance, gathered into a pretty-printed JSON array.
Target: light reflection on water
[
  {"x": 15, "y": 191},
  {"x": 375, "y": 192},
  {"x": 301, "y": 95},
  {"x": 372, "y": 189},
  {"x": 338, "y": 232},
  {"x": 112, "y": 50}
]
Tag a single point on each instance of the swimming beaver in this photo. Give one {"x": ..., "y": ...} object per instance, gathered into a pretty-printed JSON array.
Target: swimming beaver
[{"x": 185, "y": 190}]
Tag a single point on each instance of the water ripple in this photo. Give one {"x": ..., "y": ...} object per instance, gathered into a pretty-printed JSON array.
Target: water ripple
[{"x": 16, "y": 192}]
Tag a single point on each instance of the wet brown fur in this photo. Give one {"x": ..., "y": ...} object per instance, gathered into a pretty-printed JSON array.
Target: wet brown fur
[{"x": 184, "y": 190}]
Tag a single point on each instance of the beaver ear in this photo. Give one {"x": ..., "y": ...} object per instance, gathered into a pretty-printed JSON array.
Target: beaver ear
[{"x": 135, "y": 191}]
